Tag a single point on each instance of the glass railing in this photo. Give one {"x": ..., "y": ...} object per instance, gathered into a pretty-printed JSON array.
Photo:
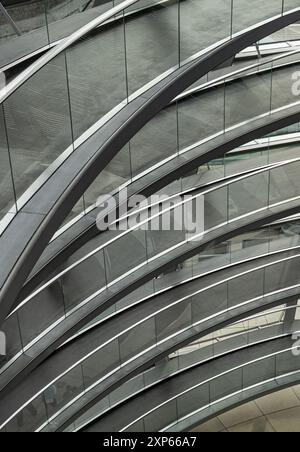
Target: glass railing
[
  {"x": 209, "y": 349},
  {"x": 40, "y": 23},
  {"x": 269, "y": 372},
  {"x": 45, "y": 118},
  {"x": 185, "y": 126},
  {"x": 184, "y": 319},
  {"x": 93, "y": 275}
]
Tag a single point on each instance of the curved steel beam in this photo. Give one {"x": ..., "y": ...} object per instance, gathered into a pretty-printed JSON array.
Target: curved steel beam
[
  {"x": 83, "y": 345},
  {"x": 148, "y": 401},
  {"x": 19, "y": 253},
  {"x": 59, "y": 251}
]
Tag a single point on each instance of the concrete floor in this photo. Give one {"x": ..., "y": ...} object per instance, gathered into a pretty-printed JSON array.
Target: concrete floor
[{"x": 277, "y": 412}]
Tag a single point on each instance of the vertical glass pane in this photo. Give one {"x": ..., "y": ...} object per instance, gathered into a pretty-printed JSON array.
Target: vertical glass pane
[
  {"x": 115, "y": 174},
  {"x": 290, "y": 4},
  {"x": 193, "y": 400},
  {"x": 30, "y": 418},
  {"x": 156, "y": 141},
  {"x": 284, "y": 182},
  {"x": 216, "y": 210},
  {"x": 101, "y": 363},
  {"x": 250, "y": 245},
  {"x": 287, "y": 362},
  {"x": 138, "y": 339},
  {"x": 29, "y": 32},
  {"x": 248, "y": 195},
  {"x": 97, "y": 77},
  {"x": 200, "y": 116},
  {"x": 286, "y": 235},
  {"x": 245, "y": 288},
  {"x": 246, "y": 15},
  {"x": 209, "y": 302},
  {"x": 257, "y": 372},
  {"x": 119, "y": 256},
  {"x": 10, "y": 327},
  {"x": 237, "y": 162},
  {"x": 226, "y": 384},
  {"x": 41, "y": 312},
  {"x": 38, "y": 123},
  {"x": 7, "y": 202},
  {"x": 203, "y": 23},
  {"x": 204, "y": 174},
  {"x": 64, "y": 390},
  {"x": 64, "y": 18},
  {"x": 161, "y": 417},
  {"x": 151, "y": 43},
  {"x": 282, "y": 84},
  {"x": 83, "y": 280},
  {"x": 173, "y": 320},
  {"x": 247, "y": 97}
]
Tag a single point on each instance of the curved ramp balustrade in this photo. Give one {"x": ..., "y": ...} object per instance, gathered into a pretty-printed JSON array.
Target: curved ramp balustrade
[
  {"x": 203, "y": 105},
  {"x": 17, "y": 264},
  {"x": 209, "y": 389},
  {"x": 164, "y": 325}
]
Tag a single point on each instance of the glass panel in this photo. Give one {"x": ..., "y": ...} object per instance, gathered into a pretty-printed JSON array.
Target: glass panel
[
  {"x": 245, "y": 288},
  {"x": 287, "y": 362},
  {"x": 247, "y": 97},
  {"x": 47, "y": 306},
  {"x": 27, "y": 19},
  {"x": 200, "y": 116},
  {"x": 156, "y": 141},
  {"x": 282, "y": 84},
  {"x": 216, "y": 210},
  {"x": 193, "y": 400},
  {"x": 203, "y": 23},
  {"x": 97, "y": 77},
  {"x": 127, "y": 389},
  {"x": 244, "y": 17},
  {"x": 282, "y": 275},
  {"x": 284, "y": 182},
  {"x": 211, "y": 171},
  {"x": 84, "y": 280},
  {"x": 286, "y": 235},
  {"x": 115, "y": 174},
  {"x": 38, "y": 123},
  {"x": 226, "y": 384},
  {"x": 64, "y": 390},
  {"x": 248, "y": 195},
  {"x": 237, "y": 162},
  {"x": 137, "y": 340},
  {"x": 30, "y": 418},
  {"x": 290, "y": 4},
  {"x": 172, "y": 320},
  {"x": 257, "y": 372},
  {"x": 66, "y": 17},
  {"x": 250, "y": 245},
  {"x": 101, "y": 363},
  {"x": 156, "y": 49},
  {"x": 161, "y": 417},
  {"x": 7, "y": 201},
  {"x": 119, "y": 258},
  {"x": 10, "y": 327}
]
